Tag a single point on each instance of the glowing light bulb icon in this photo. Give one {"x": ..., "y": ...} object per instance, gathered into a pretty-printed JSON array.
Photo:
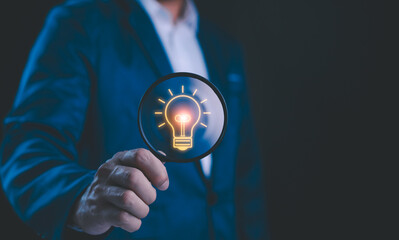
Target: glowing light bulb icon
[
  {"x": 182, "y": 142},
  {"x": 182, "y": 113}
]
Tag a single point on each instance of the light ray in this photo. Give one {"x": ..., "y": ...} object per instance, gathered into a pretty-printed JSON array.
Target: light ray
[
  {"x": 158, "y": 113},
  {"x": 182, "y": 88},
  {"x": 207, "y": 112},
  {"x": 160, "y": 125},
  {"x": 162, "y": 101},
  {"x": 204, "y": 100},
  {"x": 195, "y": 92},
  {"x": 171, "y": 94},
  {"x": 204, "y": 125}
]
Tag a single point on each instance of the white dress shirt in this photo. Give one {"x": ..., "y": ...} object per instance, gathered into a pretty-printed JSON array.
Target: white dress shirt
[{"x": 180, "y": 42}]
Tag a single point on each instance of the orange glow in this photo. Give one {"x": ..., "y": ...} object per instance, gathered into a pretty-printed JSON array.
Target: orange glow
[{"x": 182, "y": 118}]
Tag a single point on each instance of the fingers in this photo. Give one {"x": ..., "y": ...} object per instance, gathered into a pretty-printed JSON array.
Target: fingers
[
  {"x": 120, "y": 218},
  {"x": 152, "y": 168},
  {"x": 133, "y": 179},
  {"x": 121, "y": 191},
  {"x": 127, "y": 200}
]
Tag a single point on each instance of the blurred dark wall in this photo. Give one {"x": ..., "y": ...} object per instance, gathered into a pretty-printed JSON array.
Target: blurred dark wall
[
  {"x": 20, "y": 23},
  {"x": 319, "y": 75}
]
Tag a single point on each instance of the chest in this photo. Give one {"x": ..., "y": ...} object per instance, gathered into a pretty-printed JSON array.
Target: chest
[{"x": 123, "y": 74}]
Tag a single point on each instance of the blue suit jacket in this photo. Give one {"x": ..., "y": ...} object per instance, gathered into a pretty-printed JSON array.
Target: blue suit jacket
[{"x": 77, "y": 106}]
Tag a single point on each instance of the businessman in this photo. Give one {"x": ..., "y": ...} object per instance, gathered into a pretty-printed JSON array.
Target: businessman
[{"x": 73, "y": 164}]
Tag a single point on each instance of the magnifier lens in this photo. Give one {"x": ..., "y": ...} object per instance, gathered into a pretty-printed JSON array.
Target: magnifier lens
[{"x": 184, "y": 116}]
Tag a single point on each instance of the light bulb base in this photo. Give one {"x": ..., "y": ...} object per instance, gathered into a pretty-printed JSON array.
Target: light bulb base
[{"x": 182, "y": 143}]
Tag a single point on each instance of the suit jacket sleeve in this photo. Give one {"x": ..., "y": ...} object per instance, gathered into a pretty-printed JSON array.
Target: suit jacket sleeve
[
  {"x": 40, "y": 171},
  {"x": 251, "y": 200}
]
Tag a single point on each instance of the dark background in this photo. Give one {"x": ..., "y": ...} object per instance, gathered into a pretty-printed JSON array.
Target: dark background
[{"x": 321, "y": 77}]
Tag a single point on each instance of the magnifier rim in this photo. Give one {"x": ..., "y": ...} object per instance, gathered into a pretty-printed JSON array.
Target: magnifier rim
[{"x": 190, "y": 75}]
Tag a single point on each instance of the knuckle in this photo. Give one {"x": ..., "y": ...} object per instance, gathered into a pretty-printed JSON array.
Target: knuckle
[
  {"x": 118, "y": 155},
  {"x": 127, "y": 198},
  {"x": 114, "y": 171},
  {"x": 133, "y": 177},
  {"x": 97, "y": 190},
  {"x": 141, "y": 151},
  {"x": 96, "y": 181},
  {"x": 126, "y": 175},
  {"x": 140, "y": 155},
  {"x": 103, "y": 170},
  {"x": 123, "y": 217}
]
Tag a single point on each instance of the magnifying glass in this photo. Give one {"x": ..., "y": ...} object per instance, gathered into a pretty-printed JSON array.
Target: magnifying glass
[{"x": 182, "y": 117}]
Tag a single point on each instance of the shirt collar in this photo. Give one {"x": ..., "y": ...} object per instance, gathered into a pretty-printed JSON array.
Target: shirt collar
[{"x": 156, "y": 11}]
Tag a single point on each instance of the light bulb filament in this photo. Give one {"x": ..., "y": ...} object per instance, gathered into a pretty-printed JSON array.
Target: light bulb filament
[{"x": 182, "y": 119}]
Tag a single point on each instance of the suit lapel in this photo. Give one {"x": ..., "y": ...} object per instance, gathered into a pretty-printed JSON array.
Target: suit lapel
[
  {"x": 147, "y": 38},
  {"x": 212, "y": 55}
]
